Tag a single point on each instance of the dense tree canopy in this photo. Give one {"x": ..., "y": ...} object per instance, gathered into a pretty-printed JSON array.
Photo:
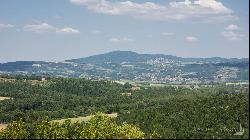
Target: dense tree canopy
[{"x": 164, "y": 112}]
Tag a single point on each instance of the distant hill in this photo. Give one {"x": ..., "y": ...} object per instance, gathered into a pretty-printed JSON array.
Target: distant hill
[
  {"x": 133, "y": 66},
  {"x": 119, "y": 57},
  {"x": 19, "y": 65},
  {"x": 129, "y": 56}
]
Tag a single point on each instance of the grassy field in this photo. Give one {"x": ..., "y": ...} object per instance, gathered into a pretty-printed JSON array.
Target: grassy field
[
  {"x": 7, "y": 80},
  {"x": 4, "y": 98},
  {"x": 73, "y": 120},
  {"x": 33, "y": 82},
  {"x": 3, "y": 126},
  {"x": 81, "y": 119}
]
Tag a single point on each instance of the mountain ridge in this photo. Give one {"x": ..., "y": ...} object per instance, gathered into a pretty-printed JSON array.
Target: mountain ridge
[
  {"x": 118, "y": 56},
  {"x": 123, "y": 54}
]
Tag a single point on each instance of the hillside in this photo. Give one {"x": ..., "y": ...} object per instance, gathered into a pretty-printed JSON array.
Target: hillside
[
  {"x": 127, "y": 65},
  {"x": 120, "y": 56},
  {"x": 129, "y": 56}
]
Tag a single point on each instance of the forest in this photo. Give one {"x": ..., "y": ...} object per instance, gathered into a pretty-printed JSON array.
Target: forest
[{"x": 165, "y": 112}]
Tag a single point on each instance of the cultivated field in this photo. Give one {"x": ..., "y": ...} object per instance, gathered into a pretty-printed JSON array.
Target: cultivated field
[{"x": 81, "y": 119}]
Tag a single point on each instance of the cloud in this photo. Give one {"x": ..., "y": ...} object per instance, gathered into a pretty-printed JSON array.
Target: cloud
[
  {"x": 68, "y": 30},
  {"x": 167, "y": 33},
  {"x": 46, "y": 28},
  {"x": 6, "y": 26},
  {"x": 191, "y": 39},
  {"x": 114, "y": 40},
  {"x": 232, "y": 36},
  {"x": 124, "y": 39},
  {"x": 232, "y": 27},
  {"x": 232, "y": 33},
  {"x": 200, "y": 10},
  {"x": 39, "y": 28}
]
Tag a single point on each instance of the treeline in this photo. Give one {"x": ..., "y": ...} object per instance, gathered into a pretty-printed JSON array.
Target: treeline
[{"x": 212, "y": 112}]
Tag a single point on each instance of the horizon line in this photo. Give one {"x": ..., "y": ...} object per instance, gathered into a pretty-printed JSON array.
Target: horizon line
[{"x": 139, "y": 53}]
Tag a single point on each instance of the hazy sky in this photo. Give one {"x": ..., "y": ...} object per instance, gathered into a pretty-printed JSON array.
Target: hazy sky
[{"x": 55, "y": 30}]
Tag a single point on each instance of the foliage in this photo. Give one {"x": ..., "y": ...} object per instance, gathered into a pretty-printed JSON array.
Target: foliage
[
  {"x": 15, "y": 130},
  {"x": 99, "y": 127},
  {"x": 160, "y": 112},
  {"x": 127, "y": 85}
]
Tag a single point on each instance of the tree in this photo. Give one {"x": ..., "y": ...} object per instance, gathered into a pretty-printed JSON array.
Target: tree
[{"x": 127, "y": 85}]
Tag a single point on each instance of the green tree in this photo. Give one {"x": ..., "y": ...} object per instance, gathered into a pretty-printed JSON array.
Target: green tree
[{"x": 127, "y": 85}]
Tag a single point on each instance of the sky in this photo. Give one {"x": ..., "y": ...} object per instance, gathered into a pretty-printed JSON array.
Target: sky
[{"x": 57, "y": 30}]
